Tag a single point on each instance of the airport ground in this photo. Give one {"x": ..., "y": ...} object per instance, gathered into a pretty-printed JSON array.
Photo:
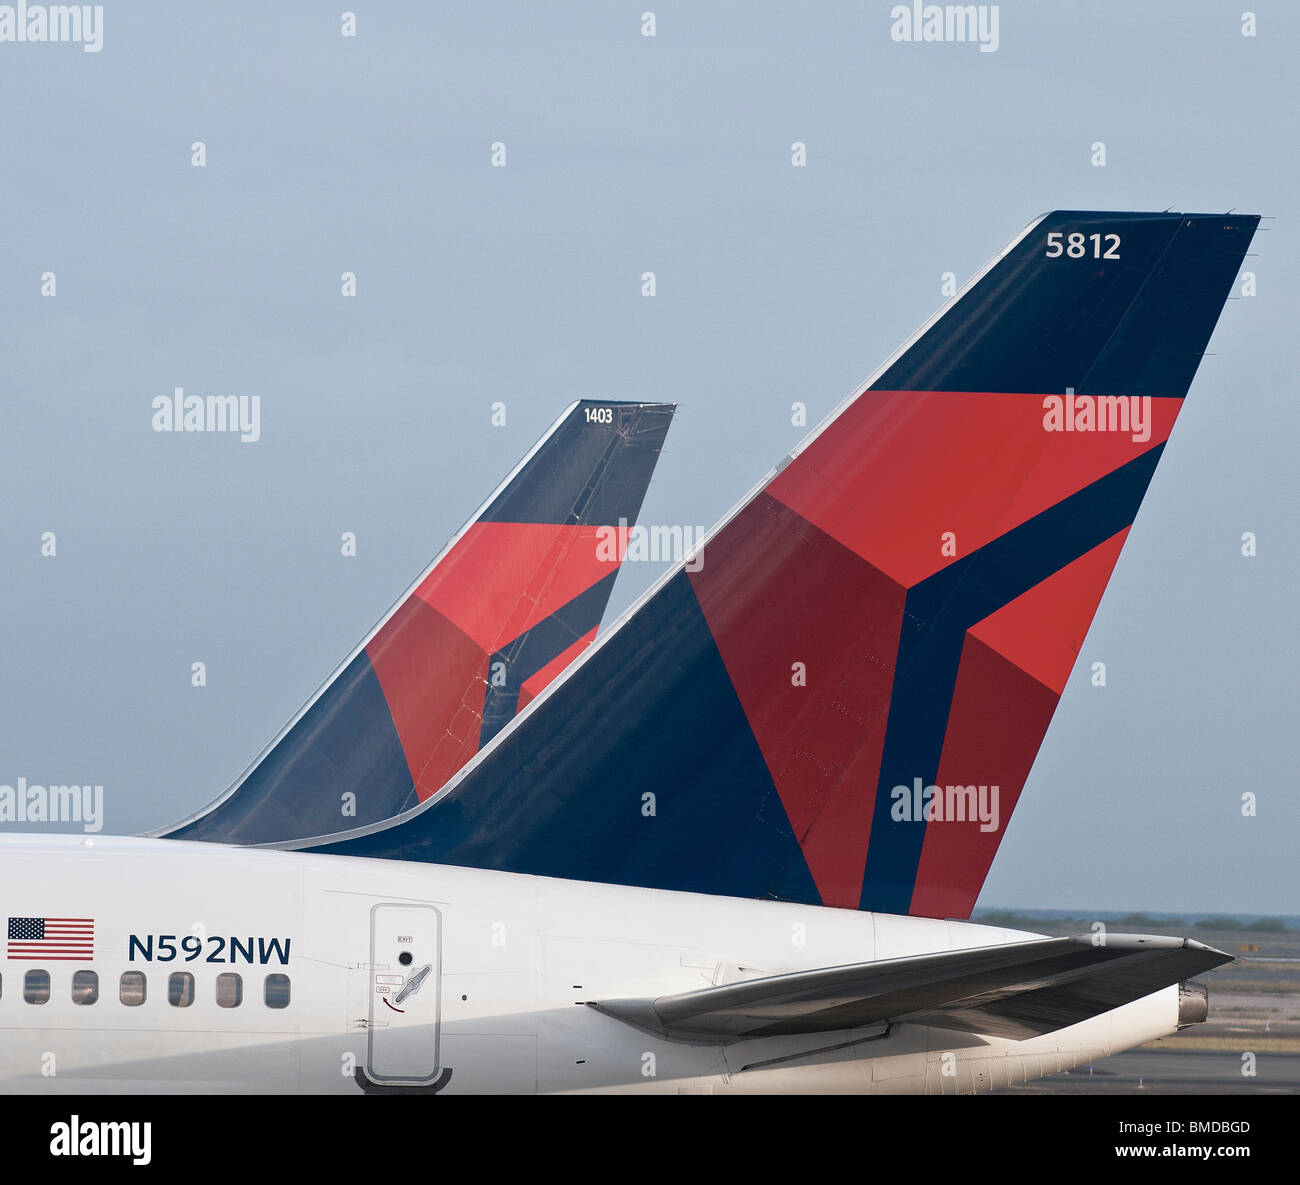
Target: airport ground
[{"x": 1249, "y": 1045}]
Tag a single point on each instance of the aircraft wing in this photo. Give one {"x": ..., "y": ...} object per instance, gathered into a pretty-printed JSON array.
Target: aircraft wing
[{"x": 1016, "y": 990}]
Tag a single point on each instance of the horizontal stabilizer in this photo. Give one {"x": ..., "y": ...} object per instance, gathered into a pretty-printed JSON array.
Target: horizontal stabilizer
[{"x": 1016, "y": 991}]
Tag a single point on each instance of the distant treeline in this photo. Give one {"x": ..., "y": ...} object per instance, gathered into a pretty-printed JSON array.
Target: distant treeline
[{"x": 1016, "y": 919}]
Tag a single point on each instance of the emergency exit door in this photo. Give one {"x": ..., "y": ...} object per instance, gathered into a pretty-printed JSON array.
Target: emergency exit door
[{"x": 405, "y": 985}]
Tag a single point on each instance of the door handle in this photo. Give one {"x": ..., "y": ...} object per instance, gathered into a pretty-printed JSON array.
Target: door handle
[{"x": 414, "y": 984}]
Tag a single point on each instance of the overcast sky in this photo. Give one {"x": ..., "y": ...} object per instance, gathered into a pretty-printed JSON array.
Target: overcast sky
[{"x": 372, "y": 154}]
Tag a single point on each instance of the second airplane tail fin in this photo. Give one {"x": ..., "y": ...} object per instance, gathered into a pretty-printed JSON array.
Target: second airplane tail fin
[{"x": 512, "y": 600}]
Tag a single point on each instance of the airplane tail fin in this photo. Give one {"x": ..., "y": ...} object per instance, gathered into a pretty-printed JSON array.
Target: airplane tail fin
[
  {"x": 838, "y": 700},
  {"x": 511, "y": 601}
]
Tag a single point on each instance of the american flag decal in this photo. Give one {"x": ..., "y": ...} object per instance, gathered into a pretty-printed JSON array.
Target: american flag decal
[{"x": 42, "y": 939}]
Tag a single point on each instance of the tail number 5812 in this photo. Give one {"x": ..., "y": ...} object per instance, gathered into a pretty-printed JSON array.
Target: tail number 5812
[{"x": 1075, "y": 246}]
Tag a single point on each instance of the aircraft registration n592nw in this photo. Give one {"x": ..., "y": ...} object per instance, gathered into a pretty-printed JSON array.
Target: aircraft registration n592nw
[{"x": 729, "y": 850}]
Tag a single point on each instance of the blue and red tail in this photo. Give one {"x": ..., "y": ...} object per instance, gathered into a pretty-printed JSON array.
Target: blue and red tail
[
  {"x": 514, "y": 598},
  {"x": 842, "y": 704}
]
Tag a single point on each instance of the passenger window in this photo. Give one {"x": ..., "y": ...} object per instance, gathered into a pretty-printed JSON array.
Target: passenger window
[
  {"x": 180, "y": 989},
  {"x": 277, "y": 991},
  {"x": 36, "y": 987},
  {"x": 132, "y": 989},
  {"x": 85, "y": 987},
  {"x": 230, "y": 990}
]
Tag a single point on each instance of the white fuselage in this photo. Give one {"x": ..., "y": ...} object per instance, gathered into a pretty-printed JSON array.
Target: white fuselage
[{"x": 509, "y": 962}]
